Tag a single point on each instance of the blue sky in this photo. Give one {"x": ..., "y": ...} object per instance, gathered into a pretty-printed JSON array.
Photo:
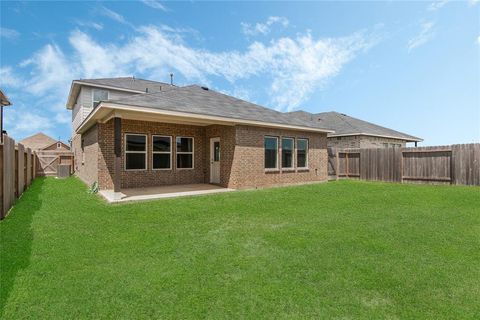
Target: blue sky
[{"x": 411, "y": 66}]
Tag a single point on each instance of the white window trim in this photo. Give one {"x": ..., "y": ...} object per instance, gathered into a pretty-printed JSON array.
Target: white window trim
[
  {"x": 306, "y": 153},
  {"x": 293, "y": 154},
  {"x": 162, "y": 152},
  {"x": 277, "y": 158},
  {"x": 93, "y": 96},
  {"x": 125, "y": 151},
  {"x": 183, "y": 152}
]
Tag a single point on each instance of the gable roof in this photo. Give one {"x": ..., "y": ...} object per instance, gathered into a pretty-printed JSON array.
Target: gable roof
[
  {"x": 129, "y": 84},
  {"x": 345, "y": 125},
  {"x": 196, "y": 100},
  {"x": 38, "y": 141}
]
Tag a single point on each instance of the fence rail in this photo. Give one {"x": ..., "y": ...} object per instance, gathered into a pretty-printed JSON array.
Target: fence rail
[
  {"x": 455, "y": 164},
  {"x": 17, "y": 170}
]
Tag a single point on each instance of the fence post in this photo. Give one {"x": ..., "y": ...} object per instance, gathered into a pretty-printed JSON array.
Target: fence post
[{"x": 337, "y": 164}]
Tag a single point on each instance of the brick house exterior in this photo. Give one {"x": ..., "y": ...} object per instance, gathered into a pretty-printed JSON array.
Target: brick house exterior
[
  {"x": 134, "y": 133},
  {"x": 352, "y": 132},
  {"x": 364, "y": 141},
  {"x": 102, "y": 129},
  {"x": 241, "y": 156}
]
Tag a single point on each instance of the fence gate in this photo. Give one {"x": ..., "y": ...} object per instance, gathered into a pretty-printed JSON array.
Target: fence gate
[{"x": 48, "y": 161}]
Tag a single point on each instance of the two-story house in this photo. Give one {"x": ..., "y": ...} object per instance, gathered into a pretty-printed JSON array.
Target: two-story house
[{"x": 133, "y": 133}]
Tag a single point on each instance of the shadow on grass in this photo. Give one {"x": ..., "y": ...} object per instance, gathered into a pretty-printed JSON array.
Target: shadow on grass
[{"x": 16, "y": 236}]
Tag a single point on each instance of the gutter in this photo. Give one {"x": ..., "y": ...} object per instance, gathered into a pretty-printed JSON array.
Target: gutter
[
  {"x": 117, "y": 106},
  {"x": 413, "y": 139}
]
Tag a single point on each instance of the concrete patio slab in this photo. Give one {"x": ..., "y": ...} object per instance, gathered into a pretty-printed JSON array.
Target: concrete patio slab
[{"x": 162, "y": 192}]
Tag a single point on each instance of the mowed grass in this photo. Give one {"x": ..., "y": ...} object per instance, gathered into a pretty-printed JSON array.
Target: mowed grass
[{"x": 347, "y": 249}]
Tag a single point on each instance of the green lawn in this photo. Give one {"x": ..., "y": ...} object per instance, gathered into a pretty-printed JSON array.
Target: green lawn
[{"x": 349, "y": 250}]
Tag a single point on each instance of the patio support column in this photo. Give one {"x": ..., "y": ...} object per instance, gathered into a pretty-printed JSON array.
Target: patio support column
[{"x": 117, "y": 178}]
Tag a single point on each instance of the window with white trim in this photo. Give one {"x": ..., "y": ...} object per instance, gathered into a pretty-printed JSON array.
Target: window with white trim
[
  {"x": 184, "y": 152},
  {"x": 287, "y": 153},
  {"x": 161, "y": 152},
  {"x": 99, "y": 95},
  {"x": 271, "y": 152},
  {"x": 302, "y": 153},
  {"x": 135, "y": 151}
]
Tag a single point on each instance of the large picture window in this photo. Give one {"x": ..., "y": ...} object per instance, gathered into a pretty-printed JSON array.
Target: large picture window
[
  {"x": 135, "y": 151},
  {"x": 302, "y": 153},
  {"x": 161, "y": 152},
  {"x": 271, "y": 152},
  {"x": 184, "y": 152},
  {"x": 287, "y": 153},
  {"x": 99, "y": 95}
]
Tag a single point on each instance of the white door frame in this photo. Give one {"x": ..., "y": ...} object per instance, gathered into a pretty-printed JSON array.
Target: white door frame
[{"x": 214, "y": 165}]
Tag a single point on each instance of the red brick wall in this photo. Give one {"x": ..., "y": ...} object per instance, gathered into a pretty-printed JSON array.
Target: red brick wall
[
  {"x": 106, "y": 155},
  {"x": 86, "y": 170},
  {"x": 241, "y": 156},
  {"x": 248, "y": 165},
  {"x": 149, "y": 177}
]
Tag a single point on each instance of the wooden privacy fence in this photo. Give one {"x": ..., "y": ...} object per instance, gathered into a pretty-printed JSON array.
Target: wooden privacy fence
[
  {"x": 48, "y": 161},
  {"x": 17, "y": 170},
  {"x": 455, "y": 164}
]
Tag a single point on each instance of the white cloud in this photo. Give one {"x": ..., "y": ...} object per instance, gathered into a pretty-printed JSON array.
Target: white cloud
[
  {"x": 89, "y": 24},
  {"x": 63, "y": 116},
  {"x": 22, "y": 122},
  {"x": 478, "y": 40},
  {"x": 8, "y": 78},
  {"x": 9, "y": 33},
  {"x": 50, "y": 71},
  {"x": 291, "y": 69},
  {"x": 473, "y": 2},
  {"x": 425, "y": 35},
  {"x": 263, "y": 28},
  {"x": 434, "y": 6},
  {"x": 112, "y": 14},
  {"x": 154, "y": 4}
]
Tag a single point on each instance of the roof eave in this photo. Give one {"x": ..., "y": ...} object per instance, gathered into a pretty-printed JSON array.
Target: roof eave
[
  {"x": 87, "y": 123},
  {"x": 411, "y": 139}
]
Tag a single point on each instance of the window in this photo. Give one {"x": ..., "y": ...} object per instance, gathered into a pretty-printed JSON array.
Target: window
[
  {"x": 302, "y": 153},
  {"x": 135, "y": 152},
  {"x": 271, "y": 152},
  {"x": 216, "y": 151},
  {"x": 99, "y": 95},
  {"x": 184, "y": 153},
  {"x": 161, "y": 152},
  {"x": 287, "y": 153}
]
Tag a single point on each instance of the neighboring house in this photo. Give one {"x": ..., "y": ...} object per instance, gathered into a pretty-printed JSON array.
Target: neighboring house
[
  {"x": 355, "y": 133},
  {"x": 4, "y": 101},
  {"x": 132, "y": 133},
  {"x": 41, "y": 141}
]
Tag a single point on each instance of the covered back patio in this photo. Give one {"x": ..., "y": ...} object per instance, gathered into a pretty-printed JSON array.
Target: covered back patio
[{"x": 162, "y": 192}]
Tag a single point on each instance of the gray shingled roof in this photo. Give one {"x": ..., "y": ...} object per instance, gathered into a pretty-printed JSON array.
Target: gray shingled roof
[
  {"x": 197, "y": 100},
  {"x": 130, "y": 83},
  {"x": 346, "y": 125}
]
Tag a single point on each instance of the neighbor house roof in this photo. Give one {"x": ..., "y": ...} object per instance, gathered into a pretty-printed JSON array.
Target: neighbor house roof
[
  {"x": 4, "y": 101},
  {"x": 196, "y": 100},
  {"x": 345, "y": 125},
  {"x": 38, "y": 141},
  {"x": 130, "y": 84}
]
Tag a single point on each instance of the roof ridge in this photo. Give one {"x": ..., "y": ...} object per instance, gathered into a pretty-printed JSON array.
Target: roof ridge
[{"x": 340, "y": 116}]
